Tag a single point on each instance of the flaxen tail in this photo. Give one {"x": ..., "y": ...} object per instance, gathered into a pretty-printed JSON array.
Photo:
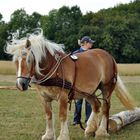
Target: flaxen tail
[{"x": 123, "y": 94}]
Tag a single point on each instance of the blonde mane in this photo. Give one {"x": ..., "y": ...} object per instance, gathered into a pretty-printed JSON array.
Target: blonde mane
[{"x": 39, "y": 44}]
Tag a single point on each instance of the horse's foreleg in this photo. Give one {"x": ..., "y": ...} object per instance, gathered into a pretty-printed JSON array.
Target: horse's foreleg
[
  {"x": 94, "y": 119},
  {"x": 64, "y": 132},
  {"x": 50, "y": 134}
]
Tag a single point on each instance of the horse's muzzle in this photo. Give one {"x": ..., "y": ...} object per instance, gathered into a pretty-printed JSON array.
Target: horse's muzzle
[{"x": 22, "y": 83}]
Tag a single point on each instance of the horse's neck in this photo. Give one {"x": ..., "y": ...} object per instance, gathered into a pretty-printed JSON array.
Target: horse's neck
[
  {"x": 64, "y": 69},
  {"x": 46, "y": 65}
]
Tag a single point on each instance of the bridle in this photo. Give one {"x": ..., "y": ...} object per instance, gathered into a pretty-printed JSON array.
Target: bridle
[
  {"x": 27, "y": 78},
  {"x": 24, "y": 77}
]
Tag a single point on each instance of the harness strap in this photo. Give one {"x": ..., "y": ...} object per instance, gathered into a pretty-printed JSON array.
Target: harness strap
[
  {"x": 72, "y": 90},
  {"x": 71, "y": 94},
  {"x": 52, "y": 71}
]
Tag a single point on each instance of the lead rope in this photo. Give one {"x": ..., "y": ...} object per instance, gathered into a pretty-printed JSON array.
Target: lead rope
[
  {"x": 80, "y": 123},
  {"x": 72, "y": 90}
]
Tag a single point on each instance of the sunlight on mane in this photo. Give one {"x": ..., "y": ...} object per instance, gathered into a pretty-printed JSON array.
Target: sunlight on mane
[{"x": 39, "y": 44}]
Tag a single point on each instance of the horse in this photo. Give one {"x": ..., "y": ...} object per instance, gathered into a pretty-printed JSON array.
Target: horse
[{"x": 57, "y": 77}]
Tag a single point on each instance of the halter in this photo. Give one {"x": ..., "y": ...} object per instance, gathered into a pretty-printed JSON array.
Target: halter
[{"x": 27, "y": 78}]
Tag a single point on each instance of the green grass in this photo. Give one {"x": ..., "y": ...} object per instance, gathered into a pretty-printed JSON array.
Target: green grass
[{"x": 22, "y": 117}]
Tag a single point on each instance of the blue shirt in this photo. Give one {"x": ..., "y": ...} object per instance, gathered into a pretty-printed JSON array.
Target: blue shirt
[{"x": 79, "y": 50}]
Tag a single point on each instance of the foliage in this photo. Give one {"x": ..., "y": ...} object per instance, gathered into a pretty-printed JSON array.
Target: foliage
[
  {"x": 116, "y": 30},
  {"x": 63, "y": 26}
]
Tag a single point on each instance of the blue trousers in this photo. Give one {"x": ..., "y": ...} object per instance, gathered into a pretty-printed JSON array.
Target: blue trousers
[{"x": 78, "y": 110}]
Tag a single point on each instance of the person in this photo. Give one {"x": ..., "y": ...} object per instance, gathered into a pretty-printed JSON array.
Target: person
[{"x": 86, "y": 43}]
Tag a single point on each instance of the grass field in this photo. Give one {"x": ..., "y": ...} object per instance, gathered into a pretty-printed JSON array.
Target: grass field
[{"x": 22, "y": 115}]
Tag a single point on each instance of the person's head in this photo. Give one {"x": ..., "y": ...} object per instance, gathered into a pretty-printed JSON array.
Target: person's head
[{"x": 86, "y": 42}]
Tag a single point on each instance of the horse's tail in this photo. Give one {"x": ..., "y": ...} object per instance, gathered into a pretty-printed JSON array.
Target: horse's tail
[{"x": 123, "y": 94}]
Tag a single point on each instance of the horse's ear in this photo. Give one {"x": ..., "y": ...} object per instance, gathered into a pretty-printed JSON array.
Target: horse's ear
[{"x": 28, "y": 44}]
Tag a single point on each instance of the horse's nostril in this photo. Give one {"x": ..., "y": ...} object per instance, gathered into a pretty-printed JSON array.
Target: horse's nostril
[
  {"x": 19, "y": 86},
  {"x": 23, "y": 86}
]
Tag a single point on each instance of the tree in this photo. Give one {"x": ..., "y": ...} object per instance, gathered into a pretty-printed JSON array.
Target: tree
[
  {"x": 68, "y": 25},
  {"x": 3, "y": 38},
  {"x": 19, "y": 21},
  {"x": 34, "y": 21},
  {"x": 116, "y": 30},
  {"x": 23, "y": 22},
  {"x": 49, "y": 24}
]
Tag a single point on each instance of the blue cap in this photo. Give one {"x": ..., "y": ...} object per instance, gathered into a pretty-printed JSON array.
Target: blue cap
[{"x": 86, "y": 39}]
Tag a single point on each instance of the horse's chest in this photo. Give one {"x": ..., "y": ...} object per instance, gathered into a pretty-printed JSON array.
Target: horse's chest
[{"x": 52, "y": 93}]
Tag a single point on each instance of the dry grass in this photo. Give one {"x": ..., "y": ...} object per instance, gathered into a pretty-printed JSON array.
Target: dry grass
[
  {"x": 129, "y": 69},
  {"x": 8, "y": 68}
]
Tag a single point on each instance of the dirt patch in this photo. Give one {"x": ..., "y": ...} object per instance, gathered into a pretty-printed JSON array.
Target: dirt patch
[
  {"x": 131, "y": 79},
  {"x": 7, "y": 78}
]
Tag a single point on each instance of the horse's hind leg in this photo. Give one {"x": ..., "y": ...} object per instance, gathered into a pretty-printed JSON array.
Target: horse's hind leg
[
  {"x": 94, "y": 119},
  {"x": 64, "y": 132},
  {"x": 103, "y": 128}
]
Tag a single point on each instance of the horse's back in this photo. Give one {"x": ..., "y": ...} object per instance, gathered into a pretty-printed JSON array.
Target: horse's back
[
  {"x": 96, "y": 58},
  {"x": 94, "y": 66}
]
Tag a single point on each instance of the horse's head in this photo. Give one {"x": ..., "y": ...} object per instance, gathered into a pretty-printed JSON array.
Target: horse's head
[
  {"x": 32, "y": 56},
  {"x": 24, "y": 61}
]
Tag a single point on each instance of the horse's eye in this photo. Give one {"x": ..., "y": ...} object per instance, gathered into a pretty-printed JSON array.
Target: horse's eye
[{"x": 28, "y": 60}]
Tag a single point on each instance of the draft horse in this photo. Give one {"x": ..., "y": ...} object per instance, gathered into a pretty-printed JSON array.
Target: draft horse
[{"x": 58, "y": 77}]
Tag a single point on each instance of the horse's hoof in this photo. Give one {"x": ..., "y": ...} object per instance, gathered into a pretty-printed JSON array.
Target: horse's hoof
[
  {"x": 62, "y": 137},
  {"x": 90, "y": 131},
  {"x": 90, "y": 134},
  {"x": 44, "y": 137},
  {"x": 101, "y": 133}
]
